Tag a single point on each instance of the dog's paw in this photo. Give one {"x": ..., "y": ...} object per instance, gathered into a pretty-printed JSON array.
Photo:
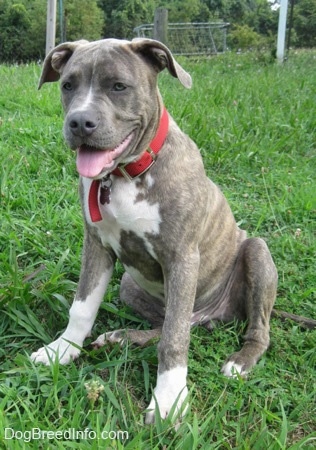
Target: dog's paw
[
  {"x": 233, "y": 370},
  {"x": 169, "y": 396},
  {"x": 60, "y": 349},
  {"x": 113, "y": 337},
  {"x": 239, "y": 364},
  {"x": 169, "y": 403}
]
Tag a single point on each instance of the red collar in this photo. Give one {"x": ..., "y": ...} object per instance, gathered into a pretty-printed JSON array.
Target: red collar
[
  {"x": 131, "y": 170},
  {"x": 148, "y": 158}
]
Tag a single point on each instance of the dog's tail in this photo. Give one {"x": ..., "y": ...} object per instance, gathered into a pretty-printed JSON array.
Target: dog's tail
[{"x": 302, "y": 321}]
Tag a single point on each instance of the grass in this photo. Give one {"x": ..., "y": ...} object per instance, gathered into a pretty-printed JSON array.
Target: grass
[{"x": 255, "y": 123}]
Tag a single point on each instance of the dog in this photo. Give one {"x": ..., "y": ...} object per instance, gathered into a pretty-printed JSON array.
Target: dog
[{"x": 147, "y": 201}]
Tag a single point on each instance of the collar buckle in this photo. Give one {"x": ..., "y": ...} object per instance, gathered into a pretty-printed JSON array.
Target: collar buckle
[
  {"x": 124, "y": 172},
  {"x": 129, "y": 177}
]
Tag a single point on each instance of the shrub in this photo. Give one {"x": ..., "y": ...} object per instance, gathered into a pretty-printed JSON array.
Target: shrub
[{"x": 244, "y": 38}]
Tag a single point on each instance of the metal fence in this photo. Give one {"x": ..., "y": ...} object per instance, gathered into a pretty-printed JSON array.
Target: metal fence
[{"x": 191, "y": 39}]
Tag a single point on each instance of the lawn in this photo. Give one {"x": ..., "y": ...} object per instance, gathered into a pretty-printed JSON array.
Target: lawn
[{"x": 255, "y": 123}]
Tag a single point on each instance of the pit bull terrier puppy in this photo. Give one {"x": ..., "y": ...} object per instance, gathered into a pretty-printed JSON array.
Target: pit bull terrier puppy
[{"x": 147, "y": 200}]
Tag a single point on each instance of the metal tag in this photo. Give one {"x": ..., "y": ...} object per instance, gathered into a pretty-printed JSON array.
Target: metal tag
[{"x": 105, "y": 190}]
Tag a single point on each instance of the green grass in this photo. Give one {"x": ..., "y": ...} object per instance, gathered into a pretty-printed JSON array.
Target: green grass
[{"x": 255, "y": 124}]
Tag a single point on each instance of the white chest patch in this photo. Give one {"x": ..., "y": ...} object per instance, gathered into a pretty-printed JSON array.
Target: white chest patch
[{"x": 128, "y": 211}]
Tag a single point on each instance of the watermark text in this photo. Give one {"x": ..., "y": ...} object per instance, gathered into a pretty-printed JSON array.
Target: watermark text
[{"x": 70, "y": 434}]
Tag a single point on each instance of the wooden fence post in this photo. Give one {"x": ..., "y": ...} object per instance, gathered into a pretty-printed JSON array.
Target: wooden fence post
[
  {"x": 161, "y": 25},
  {"x": 50, "y": 25}
]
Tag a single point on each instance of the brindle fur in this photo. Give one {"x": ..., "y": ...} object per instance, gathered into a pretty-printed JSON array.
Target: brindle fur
[{"x": 198, "y": 265}]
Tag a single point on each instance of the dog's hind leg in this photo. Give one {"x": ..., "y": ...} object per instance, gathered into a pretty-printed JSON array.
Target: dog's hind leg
[
  {"x": 137, "y": 337},
  {"x": 253, "y": 293},
  {"x": 143, "y": 304}
]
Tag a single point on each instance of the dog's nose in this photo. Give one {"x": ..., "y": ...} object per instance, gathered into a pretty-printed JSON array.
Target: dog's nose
[{"x": 83, "y": 123}]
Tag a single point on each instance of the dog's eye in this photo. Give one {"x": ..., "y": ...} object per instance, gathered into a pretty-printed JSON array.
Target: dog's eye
[
  {"x": 118, "y": 87},
  {"x": 67, "y": 86}
]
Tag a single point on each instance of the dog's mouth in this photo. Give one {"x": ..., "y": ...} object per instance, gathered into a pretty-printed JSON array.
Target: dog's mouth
[{"x": 92, "y": 162}]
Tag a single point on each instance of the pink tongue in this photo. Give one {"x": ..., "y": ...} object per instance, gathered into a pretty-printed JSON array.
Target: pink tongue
[{"x": 90, "y": 163}]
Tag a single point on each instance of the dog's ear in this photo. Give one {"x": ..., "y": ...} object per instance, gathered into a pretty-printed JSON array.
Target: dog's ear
[
  {"x": 56, "y": 60},
  {"x": 159, "y": 55}
]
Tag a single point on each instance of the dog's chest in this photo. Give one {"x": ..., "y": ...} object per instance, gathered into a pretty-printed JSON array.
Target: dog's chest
[{"x": 129, "y": 223}]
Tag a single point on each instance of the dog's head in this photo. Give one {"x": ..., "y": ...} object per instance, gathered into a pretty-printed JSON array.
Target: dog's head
[{"x": 110, "y": 97}]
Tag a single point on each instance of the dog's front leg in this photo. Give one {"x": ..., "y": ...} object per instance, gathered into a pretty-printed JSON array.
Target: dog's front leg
[
  {"x": 96, "y": 271},
  {"x": 180, "y": 290}
]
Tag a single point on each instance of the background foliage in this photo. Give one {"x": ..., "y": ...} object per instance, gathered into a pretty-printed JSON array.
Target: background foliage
[{"x": 253, "y": 22}]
